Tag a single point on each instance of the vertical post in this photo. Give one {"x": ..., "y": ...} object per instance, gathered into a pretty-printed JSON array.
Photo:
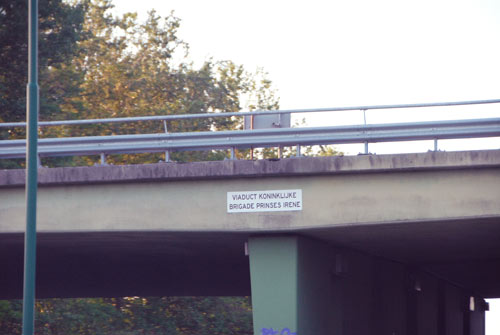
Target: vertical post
[
  {"x": 251, "y": 127},
  {"x": 31, "y": 172},
  {"x": 366, "y": 142},
  {"x": 103, "y": 159},
  {"x": 167, "y": 152}
]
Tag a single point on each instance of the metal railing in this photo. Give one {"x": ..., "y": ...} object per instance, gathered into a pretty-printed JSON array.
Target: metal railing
[
  {"x": 244, "y": 139},
  {"x": 242, "y": 114}
]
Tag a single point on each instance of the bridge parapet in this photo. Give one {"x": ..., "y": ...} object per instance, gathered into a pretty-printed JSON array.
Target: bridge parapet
[{"x": 229, "y": 169}]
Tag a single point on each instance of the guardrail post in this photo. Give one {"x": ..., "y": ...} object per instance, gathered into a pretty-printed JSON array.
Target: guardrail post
[
  {"x": 364, "y": 122},
  {"x": 435, "y": 144},
  {"x": 167, "y": 152},
  {"x": 298, "y": 151},
  {"x": 103, "y": 159},
  {"x": 233, "y": 156}
]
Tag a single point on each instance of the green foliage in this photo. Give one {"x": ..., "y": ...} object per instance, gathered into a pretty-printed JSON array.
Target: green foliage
[
  {"x": 76, "y": 316},
  {"x": 60, "y": 27},
  {"x": 10, "y": 317},
  {"x": 328, "y": 150},
  {"x": 133, "y": 315}
]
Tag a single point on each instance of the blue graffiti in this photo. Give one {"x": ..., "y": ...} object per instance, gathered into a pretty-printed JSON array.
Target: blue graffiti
[{"x": 271, "y": 331}]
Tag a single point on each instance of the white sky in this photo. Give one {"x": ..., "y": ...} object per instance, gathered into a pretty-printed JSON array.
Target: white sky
[
  {"x": 352, "y": 52},
  {"x": 493, "y": 318},
  {"x": 357, "y": 52}
]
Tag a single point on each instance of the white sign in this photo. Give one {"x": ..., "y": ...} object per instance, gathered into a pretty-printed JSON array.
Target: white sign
[{"x": 264, "y": 201}]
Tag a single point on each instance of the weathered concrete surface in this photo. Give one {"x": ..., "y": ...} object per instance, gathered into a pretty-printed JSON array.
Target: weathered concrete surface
[
  {"x": 467, "y": 187},
  {"x": 437, "y": 211},
  {"x": 259, "y": 168}
]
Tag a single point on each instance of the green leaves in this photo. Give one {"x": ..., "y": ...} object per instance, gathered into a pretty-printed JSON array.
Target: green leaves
[
  {"x": 133, "y": 315},
  {"x": 10, "y": 317},
  {"x": 60, "y": 27}
]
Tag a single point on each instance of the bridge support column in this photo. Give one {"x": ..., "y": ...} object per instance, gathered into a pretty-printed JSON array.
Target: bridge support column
[{"x": 292, "y": 288}]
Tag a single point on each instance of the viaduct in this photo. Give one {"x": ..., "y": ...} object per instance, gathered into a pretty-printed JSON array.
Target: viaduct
[{"x": 371, "y": 244}]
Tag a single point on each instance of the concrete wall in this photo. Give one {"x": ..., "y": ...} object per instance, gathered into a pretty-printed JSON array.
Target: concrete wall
[{"x": 328, "y": 201}]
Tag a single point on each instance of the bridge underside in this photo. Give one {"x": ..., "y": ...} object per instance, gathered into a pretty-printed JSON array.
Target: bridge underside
[
  {"x": 129, "y": 264},
  {"x": 465, "y": 253}
]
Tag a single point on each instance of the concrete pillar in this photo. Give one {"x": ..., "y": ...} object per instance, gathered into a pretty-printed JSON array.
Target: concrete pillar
[
  {"x": 293, "y": 291},
  {"x": 428, "y": 305},
  {"x": 454, "y": 311}
]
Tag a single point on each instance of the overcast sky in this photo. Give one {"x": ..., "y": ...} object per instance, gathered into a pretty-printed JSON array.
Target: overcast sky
[
  {"x": 356, "y": 52},
  {"x": 334, "y": 53}
]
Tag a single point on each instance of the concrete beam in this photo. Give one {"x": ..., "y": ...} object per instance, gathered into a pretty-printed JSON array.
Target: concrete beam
[
  {"x": 258, "y": 168},
  {"x": 329, "y": 201}
]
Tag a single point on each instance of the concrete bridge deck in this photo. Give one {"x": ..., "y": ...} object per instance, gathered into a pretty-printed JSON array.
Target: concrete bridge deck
[
  {"x": 164, "y": 229},
  {"x": 440, "y": 210}
]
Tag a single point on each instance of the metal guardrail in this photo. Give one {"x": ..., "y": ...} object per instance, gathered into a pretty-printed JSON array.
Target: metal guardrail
[
  {"x": 242, "y": 114},
  {"x": 243, "y": 139}
]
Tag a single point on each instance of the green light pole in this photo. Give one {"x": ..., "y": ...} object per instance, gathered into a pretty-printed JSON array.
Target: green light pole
[{"x": 32, "y": 108}]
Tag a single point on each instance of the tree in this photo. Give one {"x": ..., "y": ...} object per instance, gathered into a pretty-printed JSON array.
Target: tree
[{"x": 60, "y": 27}]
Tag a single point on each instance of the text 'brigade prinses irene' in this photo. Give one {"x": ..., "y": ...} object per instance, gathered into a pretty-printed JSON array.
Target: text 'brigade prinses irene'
[{"x": 262, "y": 201}]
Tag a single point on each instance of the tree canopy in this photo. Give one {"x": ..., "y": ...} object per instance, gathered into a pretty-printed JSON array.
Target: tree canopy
[
  {"x": 60, "y": 27},
  {"x": 96, "y": 65}
]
